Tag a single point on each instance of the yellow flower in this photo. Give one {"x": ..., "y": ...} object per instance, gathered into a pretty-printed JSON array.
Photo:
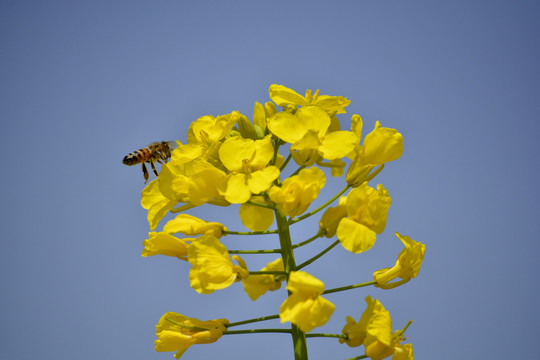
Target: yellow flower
[
  {"x": 161, "y": 243},
  {"x": 208, "y": 130},
  {"x": 247, "y": 160},
  {"x": 297, "y": 192},
  {"x": 366, "y": 216},
  {"x": 305, "y": 307},
  {"x": 256, "y": 218},
  {"x": 190, "y": 225},
  {"x": 380, "y": 146},
  {"x": 177, "y": 332},
  {"x": 374, "y": 330},
  {"x": 407, "y": 265},
  {"x": 156, "y": 204},
  {"x": 194, "y": 183},
  {"x": 212, "y": 267},
  {"x": 257, "y": 285},
  {"x": 355, "y": 331},
  {"x": 307, "y": 131},
  {"x": 283, "y": 96}
]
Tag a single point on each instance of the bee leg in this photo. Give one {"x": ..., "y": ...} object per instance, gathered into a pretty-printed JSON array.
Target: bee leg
[
  {"x": 153, "y": 168},
  {"x": 145, "y": 173}
]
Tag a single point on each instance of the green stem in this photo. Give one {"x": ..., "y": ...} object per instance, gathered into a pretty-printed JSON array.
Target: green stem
[
  {"x": 315, "y": 237},
  {"x": 269, "y": 251},
  {"x": 298, "y": 336},
  {"x": 375, "y": 173},
  {"x": 342, "y": 336},
  {"x": 349, "y": 287},
  {"x": 298, "y": 170},
  {"x": 285, "y": 163},
  {"x": 243, "y": 322},
  {"x": 359, "y": 357},
  {"x": 227, "y": 232},
  {"x": 307, "y": 262},
  {"x": 320, "y": 207},
  {"x": 256, "y": 331},
  {"x": 277, "y": 144},
  {"x": 268, "y": 273},
  {"x": 255, "y": 203}
]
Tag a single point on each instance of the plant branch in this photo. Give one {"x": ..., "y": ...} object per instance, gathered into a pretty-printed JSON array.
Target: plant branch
[
  {"x": 350, "y": 287},
  {"x": 307, "y": 262},
  {"x": 313, "y": 212},
  {"x": 263, "y": 318}
]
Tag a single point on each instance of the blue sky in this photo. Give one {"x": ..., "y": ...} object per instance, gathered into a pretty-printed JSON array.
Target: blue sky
[{"x": 84, "y": 83}]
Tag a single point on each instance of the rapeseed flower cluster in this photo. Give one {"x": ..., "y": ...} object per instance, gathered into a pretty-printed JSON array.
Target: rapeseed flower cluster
[{"x": 232, "y": 160}]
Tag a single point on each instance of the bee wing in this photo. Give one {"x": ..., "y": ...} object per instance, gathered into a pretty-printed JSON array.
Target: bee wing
[{"x": 172, "y": 144}]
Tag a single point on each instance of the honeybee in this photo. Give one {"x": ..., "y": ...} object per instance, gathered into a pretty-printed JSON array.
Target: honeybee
[{"x": 155, "y": 152}]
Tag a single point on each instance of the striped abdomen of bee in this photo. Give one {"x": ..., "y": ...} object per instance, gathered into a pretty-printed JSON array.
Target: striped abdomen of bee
[{"x": 155, "y": 152}]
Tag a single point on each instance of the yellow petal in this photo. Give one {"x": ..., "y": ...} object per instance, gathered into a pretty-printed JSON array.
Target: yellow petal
[
  {"x": 237, "y": 190},
  {"x": 382, "y": 145},
  {"x": 261, "y": 180},
  {"x": 235, "y": 150},
  {"x": 282, "y": 95},
  {"x": 332, "y": 104},
  {"x": 307, "y": 314},
  {"x": 304, "y": 284},
  {"x": 355, "y": 237},
  {"x": 212, "y": 267},
  {"x": 285, "y": 126},
  {"x": 259, "y": 115},
  {"x": 161, "y": 243},
  {"x": 190, "y": 225},
  {"x": 256, "y": 218},
  {"x": 337, "y": 144}
]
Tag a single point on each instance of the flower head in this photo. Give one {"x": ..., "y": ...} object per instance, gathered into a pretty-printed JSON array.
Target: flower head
[
  {"x": 297, "y": 192},
  {"x": 407, "y": 265},
  {"x": 374, "y": 331},
  {"x": 380, "y": 146},
  {"x": 177, "y": 332},
  {"x": 247, "y": 162},
  {"x": 305, "y": 307},
  {"x": 366, "y": 216}
]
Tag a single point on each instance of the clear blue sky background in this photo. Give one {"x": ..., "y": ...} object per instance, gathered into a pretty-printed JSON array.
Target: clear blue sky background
[{"x": 84, "y": 83}]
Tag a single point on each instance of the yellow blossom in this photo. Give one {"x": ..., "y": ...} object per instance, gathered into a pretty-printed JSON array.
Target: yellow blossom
[
  {"x": 212, "y": 267},
  {"x": 177, "y": 332},
  {"x": 247, "y": 161},
  {"x": 297, "y": 192},
  {"x": 208, "y": 129},
  {"x": 407, "y": 265},
  {"x": 156, "y": 204},
  {"x": 307, "y": 131},
  {"x": 366, "y": 216},
  {"x": 305, "y": 307},
  {"x": 161, "y": 243},
  {"x": 257, "y": 285},
  {"x": 283, "y": 96},
  {"x": 256, "y": 218},
  {"x": 380, "y": 146},
  {"x": 191, "y": 225},
  {"x": 374, "y": 330},
  {"x": 194, "y": 183}
]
